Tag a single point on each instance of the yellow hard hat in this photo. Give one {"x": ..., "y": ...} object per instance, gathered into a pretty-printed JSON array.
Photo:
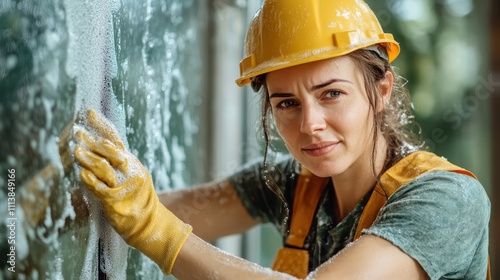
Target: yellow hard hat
[{"x": 286, "y": 33}]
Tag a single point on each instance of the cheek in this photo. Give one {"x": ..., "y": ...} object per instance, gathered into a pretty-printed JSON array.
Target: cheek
[
  {"x": 356, "y": 121},
  {"x": 286, "y": 125},
  {"x": 364, "y": 123},
  {"x": 284, "y": 121}
]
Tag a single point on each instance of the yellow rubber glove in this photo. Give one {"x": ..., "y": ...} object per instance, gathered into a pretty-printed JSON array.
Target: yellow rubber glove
[{"x": 126, "y": 191}]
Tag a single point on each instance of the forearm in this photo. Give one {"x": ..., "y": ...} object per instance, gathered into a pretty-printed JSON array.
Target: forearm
[{"x": 200, "y": 260}]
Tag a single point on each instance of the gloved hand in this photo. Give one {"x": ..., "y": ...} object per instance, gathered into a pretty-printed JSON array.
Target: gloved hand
[{"x": 126, "y": 191}]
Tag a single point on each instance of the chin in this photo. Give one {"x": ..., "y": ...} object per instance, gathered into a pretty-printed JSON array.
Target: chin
[{"x": 323, "y": 170}]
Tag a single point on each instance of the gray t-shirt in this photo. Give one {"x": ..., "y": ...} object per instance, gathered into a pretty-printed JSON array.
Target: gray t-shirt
[{"x": 440, "y": 218}]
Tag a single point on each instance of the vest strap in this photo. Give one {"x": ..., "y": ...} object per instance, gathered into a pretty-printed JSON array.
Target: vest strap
[
  {"x": 307, "y": 195},
  {"x": 294, "y": 259}
]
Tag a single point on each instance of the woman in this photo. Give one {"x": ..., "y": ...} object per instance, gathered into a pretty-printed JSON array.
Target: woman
[{"x": 358, "y": 200}]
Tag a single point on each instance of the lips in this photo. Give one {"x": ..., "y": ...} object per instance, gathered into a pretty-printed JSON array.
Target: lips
[{"x": 319, "y": 149}]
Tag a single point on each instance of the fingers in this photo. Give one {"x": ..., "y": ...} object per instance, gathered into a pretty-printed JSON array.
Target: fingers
[
  {"x": 96, "y": 185},
  {"x": 97, "y": 165},
  {"x": 65, "y": 137},
  {"x": 104, "y": 128},
  {"x": 102, "y": 147}
]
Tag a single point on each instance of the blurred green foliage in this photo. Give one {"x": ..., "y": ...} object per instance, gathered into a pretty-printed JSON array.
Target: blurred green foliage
[{"x": 444, "y": 58}]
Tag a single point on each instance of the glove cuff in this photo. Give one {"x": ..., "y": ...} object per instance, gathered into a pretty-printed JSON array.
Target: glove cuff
[
  {"x": 166, "y": 234},
  {"x": 175, "y": 245}
]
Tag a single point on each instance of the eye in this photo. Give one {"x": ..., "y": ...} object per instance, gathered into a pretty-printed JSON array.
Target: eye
[
  {"x": 285, "y": 104},
  {"x": 333, "y": 94}
]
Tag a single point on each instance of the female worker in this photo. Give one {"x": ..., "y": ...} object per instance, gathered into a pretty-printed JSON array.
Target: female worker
[{"x": 356, "y": 199}]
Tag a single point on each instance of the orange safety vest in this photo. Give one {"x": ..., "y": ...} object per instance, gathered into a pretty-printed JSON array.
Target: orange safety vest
[{"x": 295, "y": 261}]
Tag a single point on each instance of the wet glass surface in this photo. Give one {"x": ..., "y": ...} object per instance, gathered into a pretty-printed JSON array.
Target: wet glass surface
[{"x": 133, "y": 61}]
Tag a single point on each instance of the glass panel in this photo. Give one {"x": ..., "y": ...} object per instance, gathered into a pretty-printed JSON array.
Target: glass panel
[{"x": 139, "y": 63}]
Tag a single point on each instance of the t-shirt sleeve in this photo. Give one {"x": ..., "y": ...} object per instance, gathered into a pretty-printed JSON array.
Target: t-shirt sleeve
[
  {"x": 441, "y": 220},
  {"x": 264, "y": 195}
]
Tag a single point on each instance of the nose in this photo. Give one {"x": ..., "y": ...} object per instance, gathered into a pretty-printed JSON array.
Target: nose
[{"x": 313, "y": 119}]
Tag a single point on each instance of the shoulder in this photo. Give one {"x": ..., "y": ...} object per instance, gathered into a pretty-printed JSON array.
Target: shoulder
[
  {"x": 445, "y": 188},
  {"x": 443, "y": 198},
  {"x": 426, "y": 175},
  {"x": 440, "y": 219},
  {"x": 447, "y": 181}
]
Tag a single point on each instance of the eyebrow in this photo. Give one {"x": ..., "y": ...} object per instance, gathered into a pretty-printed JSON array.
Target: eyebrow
[
  {"x": 327, "y": 83},
  {"x": 315, "y": 87}
]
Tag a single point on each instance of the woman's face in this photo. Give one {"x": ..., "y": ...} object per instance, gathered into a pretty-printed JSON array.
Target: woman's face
[{"x": 323, "y": 114}]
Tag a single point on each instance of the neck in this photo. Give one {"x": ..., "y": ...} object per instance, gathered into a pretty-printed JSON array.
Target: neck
[{"x": 353, "y": 184}]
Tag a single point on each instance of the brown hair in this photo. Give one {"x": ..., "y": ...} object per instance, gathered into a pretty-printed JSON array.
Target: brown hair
[{"x": 395, "y": 121}]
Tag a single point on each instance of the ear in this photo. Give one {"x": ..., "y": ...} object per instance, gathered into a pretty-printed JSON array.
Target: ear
[{"x": 385, "y": 90}]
